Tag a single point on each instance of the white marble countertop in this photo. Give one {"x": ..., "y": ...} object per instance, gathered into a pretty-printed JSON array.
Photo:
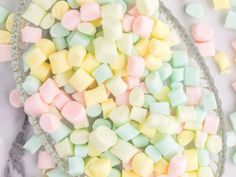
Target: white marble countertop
[{"x": 11, "y": 119}]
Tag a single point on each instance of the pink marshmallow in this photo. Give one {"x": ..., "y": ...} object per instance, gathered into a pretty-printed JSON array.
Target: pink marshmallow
[
  {"x": 132, "y": 82},
  {"x": 127, "y": 22},
  {"x": 135, "y": 66},
  {"x": 127, "y": 166},
  {"x": 79, "y": 97},
  {"x": 90, "y": 11},
  {"x": 206, "y": 49},
  {"x": 202, "y": 32},
  {"x": 143, "y": 26},
  {"x": 35, "y": 106},
  {"x": 193, "y": 95},
  {"x": 74, "y": 112},
  {"x": 71, "y": 19},
  {"x": 234, "y": 86},
  {"x": 49, "y": 122},
  {"x": 49, "y": 91},
  {"x": 14, "y": 98},
  {"x": 122, "y": 99},
  {"x": 211, "y": 124},
  {"x": 60, "y": 100},
  {"x": 234, "y": 45},
  {"x": 177, "y": 166},
  {"x": 45, "y": 161},
  {"x": 31, "y": 34},
  {"x": 133, "y": 11},
  {"x": 5, "y": 53}
]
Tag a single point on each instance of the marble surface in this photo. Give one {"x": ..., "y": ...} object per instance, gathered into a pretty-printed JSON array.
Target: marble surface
[{"x": 11, "y": 120}]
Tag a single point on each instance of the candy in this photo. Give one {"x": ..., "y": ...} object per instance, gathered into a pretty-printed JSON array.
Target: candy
[
  {"x": 208, "y": 101},
  {"x": 107, "y": 106},
  {"x": 99, "y": 168},
  {"x": 202, "y": 32},
  {"x": 59, "y": 9},
  {"x": 223, "y": 62},
  {"x": 49, "y": 122},
  {"x": 60, "y": 43},
  {"x": 221, "y": 4},
  {"x": 129, "y": 174},
  {"x": 230, "y": 139},
  {"x": 153, "y": 153},
  {"x": 206, "y": 49},
  {"x": 140, "y": 141},
  {"x": 57, "y": 172},
  {"x": 114, "y": 160},
  {"x": 127, "y": 22},
  {"x": 234, "y": 158},
  {"x": 142, "y": 47},
  {"x": 161, "y": 167},
  {"x": 136, "y": 97},
  {"x": 60, "y": 134},
  {"x": 115, "y": 173},
  {"x": 77, "y": 38},
  {"x": 90, "y": 11},
  {"x": 233, "y": 120},
  {"x": 102, "y": 73},
  {"x": 3, "y": 14},
  {"x": 34, "y": 14},
  {"x": 57, "y": 31},
  {"x": 44, "y": 4},
  {"x": 79, "y": 137},
  {"x": 81, "y": 150},
  {"x": 205, "y": 171},
  {"x": 94, "y": 110},
  {"x": 113, "y": 11},
  {"x": 160, "y": 30},
  {"x": 116, "y": 86},
  {"x": 138, "y": 114},
  {"x": 5, "y": 37},
  {"x": 186, "y": 113},
  {"x": 70, "y": 20},
  {"x": 31, "y": 85},
  {"x": 119, "y": 115},
  {"x": 45, "y": 161},
  {"x": 159, "y": 49},
  {"x": 211, "y": 124},
  {"x": 192, "y": 160},
  {"x": 64, "y": 148},
  {"x": 5, "y": 52},
  {"x": 177, "y": 165},
  {"x": 86, "y": 28},
  {"x": 47, "y": 21},
  {"x": 143, "y": 26},
  {"x": 89, "y": 63},
  {"x": 9, "y": 22},
  {"x": 203, "y": 157},
  {"x": 127, "y": 132},
  {"x": 46, "y": 46},
  {"x": 112, "y": 29},
  {"x": 135, "y": 66},
  {"x": 15, "y": 98},
  {"x": 214, "y": 144},
  {"x": 230, "y": 20},
  {"x": 147, "y": 8},
  {"x": 160, "y": 108},
  {"x": 33, "y": 144},
  {"x": 42, "y": 72},
  {"x": 76, "y": 166},
  {"x": 125, "y": 44},
  {"x": 96, "y": 95},
  {"x": 61, "y": 100},
  {"x": 193, "y": 94},
  {"x": 194, "y": 10},
  {"x": 194, "y": 80},
  {"x": 154, "y": 83},
  {"x": 186, "y": 137},
  {"x": 179, "y": 58}
]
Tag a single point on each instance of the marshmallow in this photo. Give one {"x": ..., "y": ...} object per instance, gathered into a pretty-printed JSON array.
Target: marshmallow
[
  {"x": 64, "y": 148},
  {"x": 192, "y": 160},
  {"x": 33, "y": 144},
  {"x": 194, "y": 10},
  {"x": 143, "y": 26},
  {"x": 79, "y": 137},
  {"x": 31, "y": 34},
  {"x": 70, "y": 20},
  {"x": 15, "y": 98},
  {"x": 89, "y": 11},
  {"x": 45, "y": 161},
  {"x": 59, "y": 9},
  {"x": 34, "y": 14},
  {"x": 96, "y": 95},
  {"x": 135, "y": 66},
  {"x": 76, "y": 166},
  {"x": 49, "y": 122},
  {"x": 120, "y": 115}
]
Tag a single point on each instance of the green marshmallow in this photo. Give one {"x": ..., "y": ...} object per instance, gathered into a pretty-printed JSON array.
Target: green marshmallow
[
  {"x": 64, "y": 148},
  {"x": 230, "y": 139},
  {"x": 73, "y": 4},
  {"x": 233, "y": 3},
  {"x": 230, "y": 21},
  {"x": 99, "y": 122},
  {"x": 60, "y": 43},
  {"x": 102, "y": 73},
  {"x": 115, "y": 173},
  {"x": 154, "y": 83},
  {"x": 201, "y": 114},
  {"x": 233, "y": 120},
  {"x": 234, "y": 157},
  {"x": 33, "y": 144},
  {"x": 81, "y": 150},
  {"x": 114, "y": 160},
  {"x": 76, "y": 166},
  {"x": 191, "y": 76},
  {"x": 102, "y": 2},
  {"x": 179, "y": 58},
  {"x": 209, "y": 101},
  {"x": 177, "y": 75},
  {"x": 3, "y": 14},
  {"x": 194, "y": 10},
  {"x": 153, "y": 153},
  {"x": 165, "y": 71},
  {"x": 31, "y": 85},
  {"x": 160, "y": 108},
  {"x": 94, "y": 110},
  {"x": 127, "y": 132},
  {"x": 176, "y": 85},
  {"x": 203, "y": 157},
  {"x": 140, "y": 141},
  {"x": 56, "y": 172},
  {"x": 57, "y": 30},
  {"x": 130, "y": 1},
  {"x": 77, "y": 38},
  {"x": 177, "y": 97},
  {"x": 60, "y": 134},
  {"x": 148, "y": 100}
]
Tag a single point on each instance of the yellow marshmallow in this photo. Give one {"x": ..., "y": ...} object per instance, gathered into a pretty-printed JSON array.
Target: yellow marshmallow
[
  {"x": 160, "y": 30},
  {"x": 42, "y": 72},
  {"x": 192, "y": 160},
  {"x": 47, "y": 46},
  {"x": 59, "y": 9},
  {"x": 121, "y": 72},
  {"x": 162, "y": 96},
  {"x": 95, "y": 96},
  {"x": 159, "y": 48},
  {"x": 153, "y": 63},
  {"x": 221, "y": 4},
  {"x": 81, "y": 80},
  {"x": 193, "y": 174},
  {"x": 84, "y": 1},
  {"x": 185, "y": 137},
  {"x": 147, "y": 131},
  {"x": 89, "y": 64},
  {"x": 161, "y": 167},
  {"x": 142, "y": 47},
  {"x": 63, "y": 78},
  {"x": 76, "y": 55},
  {"x": 223, "y": 62},
  {"x": 129, "y": 174},
  {"x": 9, "y": 22},
  {"x": 5, "y": 37},
  {"x": 107, "y": 106},
  {"x": 92, "y": 152},
  {"x": 119, "y": 63},
  {"x": 35, "y": 58},
  {"x": 59, "y": 62},
  {"x": 87, "y": 165}
]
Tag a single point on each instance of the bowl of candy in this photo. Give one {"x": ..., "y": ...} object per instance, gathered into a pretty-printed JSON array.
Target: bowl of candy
[{"x": 116, "y": 88}]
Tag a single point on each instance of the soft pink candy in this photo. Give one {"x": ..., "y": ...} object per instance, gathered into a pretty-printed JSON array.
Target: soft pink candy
[
  {"x": 90, "y": 11},
  {"x": 79, "y": 97},
  {"x": 127, "y": 22},
  {"x": 45, "y": 161},
  {"x": 132, "y": 82},
  {"x": 193, "y": 95},
  {"x": 60, "y": 100},
  {"x": 49, "y": 122},
  {"x": 211, "y": 124},
  {"x": 14, "y": 98},
  {"x": 123, "y": 99},
  {"x": 31, "y": 34},
  {"x": 177, "y": 166},
  {"x": 202, "y": 32},
  {"x": 143, "y": 26},
  {"x": 207, "y": 49},
  {"x": 71, "y": 19},
  {"x": 135, "y": 66},
  {"x": 133, "y": 11},
  {"x": 5, "y": 52}
]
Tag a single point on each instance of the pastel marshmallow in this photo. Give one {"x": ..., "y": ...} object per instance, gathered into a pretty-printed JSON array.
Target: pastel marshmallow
[
  {"x": 45, "y": 161},
  {"x": 122, "y": 99},
  {"x": 135, "y": 66},
  {"x": 177, "y": 165},
  {"x": 5, "y": 52},
  {"x": 143, "y": 26},
  {"x": 31, "y": 34},
  {"x": 211, "y": 124},
  {"x": 60, "y": 100},
  {"x": 96, "y": 95},
  {"x": 90, "y": 11},
  {"x": 49, "y": 122},
  {"x": 127, "y": 22},
  {"x": 71, "y": 19},
  {"x": 202, "y": 32},
  {"x": 206, "y": 49},
  {"x": 15, "y": 98}
]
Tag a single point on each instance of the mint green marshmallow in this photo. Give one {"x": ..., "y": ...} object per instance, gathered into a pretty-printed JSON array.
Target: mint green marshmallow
[
  {"x": 102, "y": 73},
  {"x": 115, "y": 173},
  {"x": 176, "y": 86},
  {"x": 154, "y": 83},
  {"x": 165, "y": 71},
  {"x": 160, "y": 108},
  {"x": 153, "y": 153},
  {"x": 234, "y": 157},
  {"x": 77, "y": 38},
  {"x": 60, "y": 43},
  {"x": 3, "y": 14},
  {"x": 148, "y": 100},
  {"x": 203, "y": 157},
  {"x": 177, "y": 75},
  {"x": 179, "y": 58},
  {"x": 230, "y": 21},
  {"x": 73, "y": 4},
  {"x": 233, "y": 3},
  {"x": 191, "y": 76},
  {"x": 94, "y": 110},
  {"x": 127, "y": 132},
  {"x": 99, "y": 122},
  {"x": 60, "y": 134},
  {"x": 57, "y": 30},
  {"x": 230, "y": 139},
  {"x": 233, "y": 120},
  {"x": 56, "y": 172},
  {"x": 130, "y": 1},
  {"x": 194, "y": 10},
  {"x": 31, "y": 85},
  {"x": 114, "y": 160},
  {"x": 81, "y": 150},
  {"x": 209, "y": 101},
  {"x": 177, "y": 97},
  {"x": 76, "y": 166},
  {"x": 140, "y": 141},
  {"x": 201, "y": 114},
  {"x": 33, "y": 144}
]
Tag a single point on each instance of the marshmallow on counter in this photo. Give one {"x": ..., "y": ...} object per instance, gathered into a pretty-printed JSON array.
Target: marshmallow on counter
[
  {"x": 49, "y": 122},
  {"x": 70, "y": 20},
  {"x": 15, "y": 98},
  {"x": 31, "y": 34},
  {"x": 5, "y": 37},
  {"x": 194, "y": 10},
  {"x": 5, "y": 53},
  {"x": 45, "y": 161},
  {"x": 31, "y": 85},
  {"x": 47, "y": 21},
  {"x": 221, "y": 4},
  {"x": 202, "y": 32}
]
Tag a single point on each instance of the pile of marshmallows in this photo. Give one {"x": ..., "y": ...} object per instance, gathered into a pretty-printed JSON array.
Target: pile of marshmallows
[{"x": 110, "y": 90}]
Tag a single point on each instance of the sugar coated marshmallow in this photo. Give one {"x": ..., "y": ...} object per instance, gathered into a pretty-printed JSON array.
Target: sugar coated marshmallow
[{"x": 111, "y": 87}]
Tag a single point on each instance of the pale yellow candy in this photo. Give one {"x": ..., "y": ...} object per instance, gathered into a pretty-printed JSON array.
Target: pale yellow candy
[
  {"x": 146, "y": 130},
  {"x": 9, "y": 22},
  {"x": 222, "y": 62},
  {"x": 86, "y": 28},
  {"x": 35, "y": 58},
  {"x": 47, "y": 46},
  {"x": 112, "y": 11},
  {"x": 192, "y": 159},
  {"x": 97, "y": 23},
  {"x": 84, "y": 1},
  {"x": 200, "y": 139},
  {"x": 89, "y": 64},
  {"x": 153, "y": 63},
  {"x": 158, "y": 121},
  {"x": 107, "y": 107},
  {"x": 194, "y": 126},
  {"x": 42, "y": 72},
  {"x": 193, "y": 174},
  {"x": 142, "y": 164},
  {"x": 142, "y": 47},
  {"x": 81, "y": 80},
  {"x": 119, "y": 63},
  {"x": 92, "y": 152},
  {"x": 163, "y": 95},
  {"x": 186, "y": 113},
  {"x": 47, "y": 21},
  {"x": 95, "y": 96},
  {"x": 63, "y": 78},
  {"x": 5, "y": 37},
  {"x": 159, "y": 48},
  {"x": 112, "y": 29},
  {"x": 125, "y": 44},
  {"x": 76, "y": 55},
  {"x": 45, "y": 4},
  {"x": 87, "y": 165},
  {"x": 84, "y": 124},
  {"x": 214, "y": 144},
  {"x": 129, "y": 174},
  {"x": 59, "y": 62},
  {"x": 221, "y": 4},
  {"x": 160, "y": 30},
  {"x": 161, "y": 167},
  {"x": 136, "y": 97},
  {"x": 185, "y": 137},
  {"x": 59, "y": 9}
]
